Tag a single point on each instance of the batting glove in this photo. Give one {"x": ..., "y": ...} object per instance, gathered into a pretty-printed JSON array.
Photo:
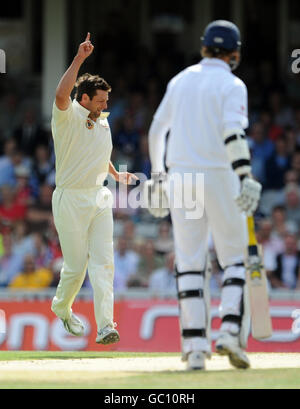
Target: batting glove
[
  {"x": 155, "y": 196},
  {"x": 249, "y": 197}
]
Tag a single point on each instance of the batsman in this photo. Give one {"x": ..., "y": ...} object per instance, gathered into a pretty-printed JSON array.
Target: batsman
[
  {"x": 82, "y": 206},
  {"x": 204, "y": 110}
]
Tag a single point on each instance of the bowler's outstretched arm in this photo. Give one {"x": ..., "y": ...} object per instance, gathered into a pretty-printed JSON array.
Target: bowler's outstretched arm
[{"x": 67, "y": 82}]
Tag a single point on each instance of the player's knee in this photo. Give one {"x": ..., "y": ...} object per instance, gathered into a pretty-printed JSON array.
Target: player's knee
[
  {"x": 234, "y": 271},
  {"x": 73, "y": 269}
]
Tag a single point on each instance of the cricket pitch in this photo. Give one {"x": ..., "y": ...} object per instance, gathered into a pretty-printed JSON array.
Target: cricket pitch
[{"x": 135, "y": 370}]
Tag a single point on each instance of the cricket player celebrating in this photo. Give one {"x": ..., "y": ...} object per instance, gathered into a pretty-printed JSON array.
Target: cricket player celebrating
[
  {"x": 205, "y": 111},
  {"x": 81, "y": 204}
]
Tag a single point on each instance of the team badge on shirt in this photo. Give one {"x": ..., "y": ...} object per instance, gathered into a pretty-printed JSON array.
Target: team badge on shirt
[{"x": 89, "y": 124}]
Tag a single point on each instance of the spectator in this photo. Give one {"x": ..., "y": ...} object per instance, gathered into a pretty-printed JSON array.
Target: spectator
[
  {"x": 23, "y": 243},
  {"x": 40, "y": 213},
  {"x": 292, "y": 203},
  {"x": 42, "y": 166},
  {"x": 18, "y": 159},
  {"x": 271, "y": 244},
  {"x": 297, "y": 125},
  {"x": 291, "y": 140},
  {"x": 126, "y": 263},
  {"x": 153, "y": 99},
  {"x": 29, "y": 134},
  {"x": 42, "y": 253},
  {"x": 137, "y": 110},
  {"x": 1, "y": 244},
  {"x": 142, "y": 163},
  {"x": 9, "y": 113},
  {"x": 285, "y": 270},
  {"x": 271, "y": 130},
  {"x": 280, "y": 224},
  {"x": 31, "y": 277},
  {"x": 24, "y": 194},
  {"x": 117, "y": 102},
  {"x": 291, "y": 177},
  {"x": 130, "y": 235},
  {"x": 261, "y": 150},
  {"x": 11, "y": 261},
  {"x": 164, "y": 242},
  {"x": 296, "y": 163},
  {"x": 127, "y": 139},
  {"x": 149, "y": 262},
  {"x": 271, "y": 198},
  {"x": 7, "y": 176},
  {"x": 276, "y": 165},
  {"x": 163, "y": 279},
  {"x": 10, "y": 209},
  {"x": 282, "y": 115}
]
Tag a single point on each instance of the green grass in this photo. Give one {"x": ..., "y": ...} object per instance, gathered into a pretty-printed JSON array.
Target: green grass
[{"x": 282, "y": 378}]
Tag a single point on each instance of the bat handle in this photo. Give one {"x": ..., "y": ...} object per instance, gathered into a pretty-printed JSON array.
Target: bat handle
[{"x": 251, "y": 231}]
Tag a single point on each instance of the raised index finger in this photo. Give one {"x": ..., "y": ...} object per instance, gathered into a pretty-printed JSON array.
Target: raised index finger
[{"x": 88, "y": 37}]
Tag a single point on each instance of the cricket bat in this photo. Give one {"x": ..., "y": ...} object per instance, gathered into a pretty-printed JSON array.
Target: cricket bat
[{"x": 256, "y": 279}]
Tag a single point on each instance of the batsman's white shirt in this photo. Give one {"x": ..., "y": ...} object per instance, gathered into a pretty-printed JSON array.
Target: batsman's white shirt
[
  {"x": 82, "y": 209},
  {"x": 201, "y": 103}
]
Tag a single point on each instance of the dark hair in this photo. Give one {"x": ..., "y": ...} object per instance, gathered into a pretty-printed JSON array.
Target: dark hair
[
  {"x": 278, "y": 207},
  {"x": 88, "y": 84},
  {"x": 214, "y": 52}
]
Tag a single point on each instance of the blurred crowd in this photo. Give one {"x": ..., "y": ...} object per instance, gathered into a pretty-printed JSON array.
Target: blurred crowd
[{"x": 30, "y": 254}]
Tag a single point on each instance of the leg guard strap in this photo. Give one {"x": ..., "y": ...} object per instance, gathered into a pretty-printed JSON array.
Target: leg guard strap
[
  {"x": 189, "y": 333},
  {"x": 234, "y": 281},
  {"x": 190, "y": 294},
  {"x": 201, "y": 273},
  {"x": 236, "y": 319}
]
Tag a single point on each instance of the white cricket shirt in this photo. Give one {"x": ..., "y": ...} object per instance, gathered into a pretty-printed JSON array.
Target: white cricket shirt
[
  {"x": 82, "y": 147},
  {"x": 201, "y": 103}
]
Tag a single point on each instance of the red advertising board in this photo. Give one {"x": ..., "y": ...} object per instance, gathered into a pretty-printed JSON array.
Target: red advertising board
[
  {"x": 149, "y": 325},
  {"x": 144, "y": 325},
  {"x": 31, "y": 325}
]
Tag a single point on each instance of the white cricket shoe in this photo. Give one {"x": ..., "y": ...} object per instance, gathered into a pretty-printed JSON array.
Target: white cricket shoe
[
  {"x": 73, "y": 325},
  {"x": 108, "y": 335},
  {"x": 228, "y": 344},
  {"x": 195, "y": 360}
]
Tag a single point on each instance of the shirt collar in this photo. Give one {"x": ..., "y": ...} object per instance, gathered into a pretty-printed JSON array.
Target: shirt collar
[
  {"x": 215, "y": 62},
  {"x": 85, "y": 112}
]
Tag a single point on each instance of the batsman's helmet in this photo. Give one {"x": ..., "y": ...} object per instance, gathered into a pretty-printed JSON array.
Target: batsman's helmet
[{"x": 222, "y": 34}]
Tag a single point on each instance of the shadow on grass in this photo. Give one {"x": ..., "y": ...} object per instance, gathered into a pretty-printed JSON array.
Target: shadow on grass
[{"x": 71, "y": 355}]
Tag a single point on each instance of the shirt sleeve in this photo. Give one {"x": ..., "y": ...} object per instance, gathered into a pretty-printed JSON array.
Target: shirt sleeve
[
  {"x": 157, "y": 133},
  {"x": 164, "y": 112},
  {"x": 235, "y": 108},
  {"x": 157, "y": 145},
  {"x": 59, "y": 116}
]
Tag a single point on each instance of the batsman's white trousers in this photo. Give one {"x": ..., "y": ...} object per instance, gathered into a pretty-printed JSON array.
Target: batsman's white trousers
[
  {"x": 213, "y": 194},
  {"x": 84, "y": 222}
]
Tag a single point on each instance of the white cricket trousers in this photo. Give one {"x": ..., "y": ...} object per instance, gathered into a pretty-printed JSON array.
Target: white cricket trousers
[
  {"x": 213, "y": 194},
  {"x": 84, "y": 222}
]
